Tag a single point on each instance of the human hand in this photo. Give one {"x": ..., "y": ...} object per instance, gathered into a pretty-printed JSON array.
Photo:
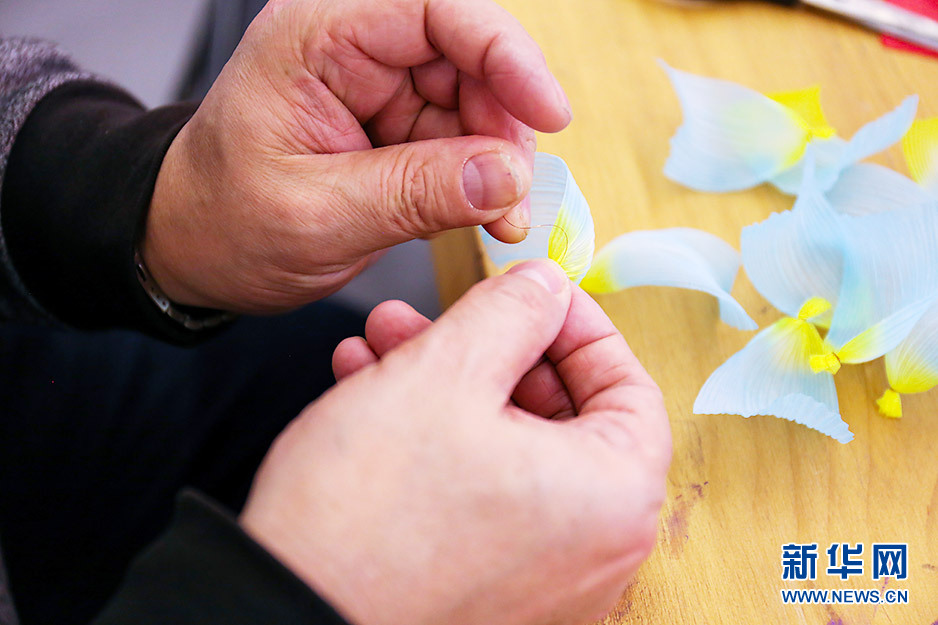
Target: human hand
[
  {"x": 417, "y": 491},
  {"x": 273, "y": 196}
]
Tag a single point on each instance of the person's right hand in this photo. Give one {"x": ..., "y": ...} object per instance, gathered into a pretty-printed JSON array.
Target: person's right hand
[{"x": 505, "y": 464}]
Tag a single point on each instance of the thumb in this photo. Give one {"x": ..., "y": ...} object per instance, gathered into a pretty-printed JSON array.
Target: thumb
[
  {"x": 401, "y": 192},
  {"x": 498, "y": 331}
]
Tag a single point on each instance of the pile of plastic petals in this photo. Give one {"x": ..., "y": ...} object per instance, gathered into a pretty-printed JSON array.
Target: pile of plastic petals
[{"x": 854, "y": 264}]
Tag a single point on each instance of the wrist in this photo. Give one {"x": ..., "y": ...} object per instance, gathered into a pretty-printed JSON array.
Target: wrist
[{"x": 168, "y": 246}]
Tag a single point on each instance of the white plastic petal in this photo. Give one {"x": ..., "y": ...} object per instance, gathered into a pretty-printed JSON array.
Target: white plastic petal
[
  {"x": 796, "y": 255},
  {"x": 771, "y": 376},
  {"x": 890, "y": 281},
  {"x": 732, "y": 137},
  {"x": 881, "y": 133},
  {"x": 561, "y": 223},
  {"x": 675, "y": 257},
  {"x": 912, "y": 366},
  {"x": 834, "y": 155},
  {"x": 827, "y": 154},
  {"x": 865, "y": 188}
]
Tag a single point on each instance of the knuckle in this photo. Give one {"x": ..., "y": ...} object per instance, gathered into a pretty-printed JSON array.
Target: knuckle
[{"x": 415, "y": 195}]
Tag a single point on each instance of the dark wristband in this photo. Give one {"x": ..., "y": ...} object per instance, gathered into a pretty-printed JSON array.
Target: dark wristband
[{"x": 76, "y": 195}]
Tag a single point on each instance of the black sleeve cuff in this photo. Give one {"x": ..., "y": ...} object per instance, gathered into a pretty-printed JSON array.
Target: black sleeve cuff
[
  {"x": 75, "y": 200},
  {"x": 205, "y": 569}
]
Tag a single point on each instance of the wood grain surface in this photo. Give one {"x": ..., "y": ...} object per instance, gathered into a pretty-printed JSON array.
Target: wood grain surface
[{"x": 738, "y": 488}]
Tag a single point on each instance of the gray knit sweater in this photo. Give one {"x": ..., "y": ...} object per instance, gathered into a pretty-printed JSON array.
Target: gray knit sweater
[{"x": 29, "y": 69}]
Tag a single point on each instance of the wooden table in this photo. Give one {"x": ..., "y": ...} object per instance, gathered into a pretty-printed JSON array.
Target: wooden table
[{"x": 738, "y": 489}]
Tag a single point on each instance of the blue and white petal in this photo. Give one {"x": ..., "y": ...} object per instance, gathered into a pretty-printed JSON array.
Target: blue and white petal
[
  {"x": 674, "y": 257},
  {"x": 890, "y": 281},
  {"x": 732, "y": 137},
  {"x": 865, "y": 188},
  {"x": 796, "y": 255},
  {"x": 834, "y": 155},
  {"x": 561, "y": 223},
  {"x": 771, "y": 376}
]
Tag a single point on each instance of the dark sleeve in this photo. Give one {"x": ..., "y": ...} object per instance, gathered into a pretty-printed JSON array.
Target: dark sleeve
[
  {"x": 29, "y": 70},
  {"x": 78, "y": 163},
  {"x": 75, "y": 199},
  {"x": 205, "y": 570}
]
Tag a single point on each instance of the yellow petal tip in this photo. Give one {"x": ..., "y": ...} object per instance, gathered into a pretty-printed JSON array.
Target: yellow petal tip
[
  {"x": 805, "y": 104},
  {"x": 918, "y": 147},
  {"x": 813, "y": 307}
]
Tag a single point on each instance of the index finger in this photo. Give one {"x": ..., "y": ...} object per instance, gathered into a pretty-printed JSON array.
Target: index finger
[
  {"x": 485, "y": 41},
  {"x": 478, "y": 37}
]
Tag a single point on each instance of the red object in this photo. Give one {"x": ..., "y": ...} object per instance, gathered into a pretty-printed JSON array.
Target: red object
[{"x": 928, "y": 8}]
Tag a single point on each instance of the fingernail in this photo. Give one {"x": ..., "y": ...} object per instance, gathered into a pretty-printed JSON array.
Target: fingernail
[
  {"x": 490, "y": 181},
  {"x": 546, "y": 273}
]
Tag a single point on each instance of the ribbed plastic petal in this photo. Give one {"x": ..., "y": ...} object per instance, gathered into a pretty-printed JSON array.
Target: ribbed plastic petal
[
  {"x": 834, "y": 154},
  {"x": 561, "y": 223},
  {"x": 732, "y": 137},
  {"x": 675, "y": 257},
  {"x": 771, "y": 376},
  {"x": 796, "y": 255},
  {"x": 890, "y": 281},
  {"x": 865, "y": 188},
  {"x": 912, "y": 367}
]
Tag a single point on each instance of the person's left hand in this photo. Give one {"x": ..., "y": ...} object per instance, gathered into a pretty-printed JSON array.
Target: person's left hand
[{"x": 274, "y": 195}]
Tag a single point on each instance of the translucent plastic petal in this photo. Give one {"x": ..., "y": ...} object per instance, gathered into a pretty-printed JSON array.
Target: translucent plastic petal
[
  {"x": 561, "y": 223},
  {"x": 797, "y": 255},
  {"x": 912, "y": 367},
  {"x": 770, "y": 376},
  {"x": 827, "y": 154},
  {"x": 676, "y": 257},
  {"x": 834, "y": 154},
  {"x": 732, "y": 137},
  {"x": 920, "y": 147},
  {"x": 881, "y": 133},
  {"x": 890, "y": 281},
  {"x": 865, "y": 188}
]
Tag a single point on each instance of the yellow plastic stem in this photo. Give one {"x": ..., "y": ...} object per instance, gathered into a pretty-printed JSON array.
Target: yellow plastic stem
[{"x": 890, "y": 404}]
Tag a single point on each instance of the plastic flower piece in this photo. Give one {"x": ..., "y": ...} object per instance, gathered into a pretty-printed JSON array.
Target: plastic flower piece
[
  {"x": 675, "y": 257},
  {"x": 912, "y": 367},
  {"x": 733, "y": 137},
  {"x": 834, "y": 155},
  {"x": 920, "y": 147},
  {"x": 772, "y": 376},
  {"x": 797, "y": 255},
  {"x": 806, "y": 105},
  {"x": 562, "y": 225},
  {"x": 563, "y": 231},
  {"x": 866, "y": 188},
  {"x": 890, "y": 281}
]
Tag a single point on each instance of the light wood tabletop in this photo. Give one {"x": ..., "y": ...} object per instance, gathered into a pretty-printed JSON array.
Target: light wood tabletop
[{"x": 738, "y": 488}]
